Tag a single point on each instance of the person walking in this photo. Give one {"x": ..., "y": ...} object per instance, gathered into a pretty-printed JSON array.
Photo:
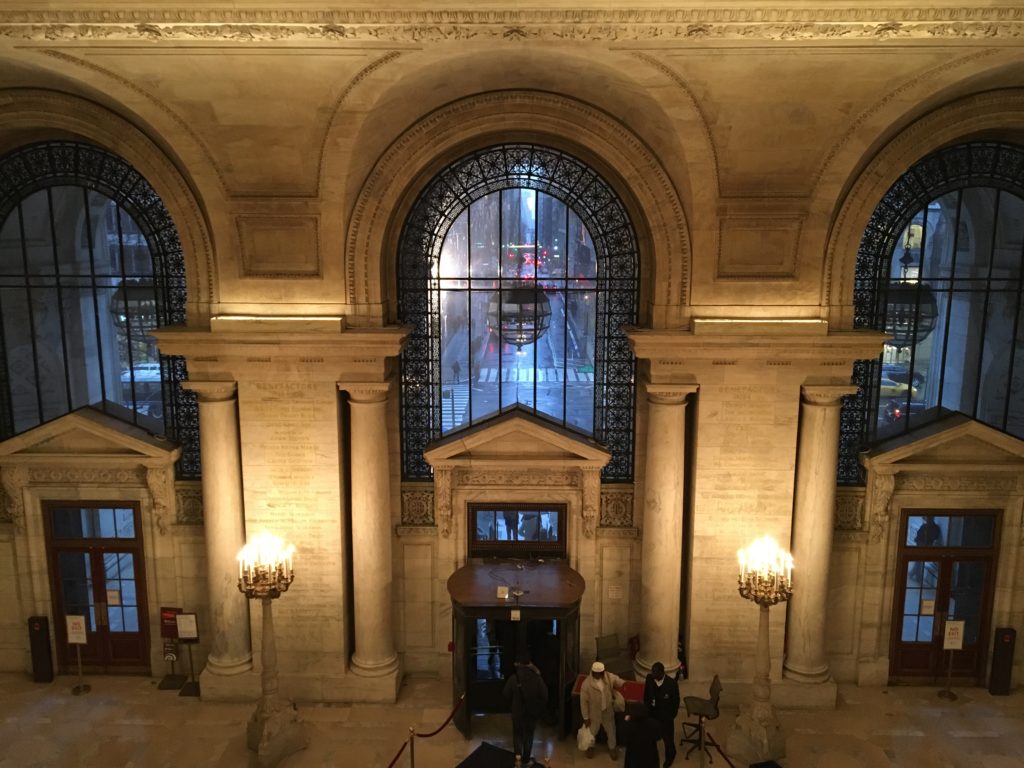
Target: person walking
[
  {"x": 528, "y": 698},
  {"x": 640, "y": 734},
  {"x": 599, "y": 698},
  {"x": 661, "y": 695}
]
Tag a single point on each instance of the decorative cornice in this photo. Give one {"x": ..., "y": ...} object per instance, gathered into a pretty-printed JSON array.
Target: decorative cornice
[{"x": 258, "y": 25}]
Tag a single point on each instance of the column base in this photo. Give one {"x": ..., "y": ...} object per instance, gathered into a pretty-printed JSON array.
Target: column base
[
  {"x": 756, "y": 736},
  {"x": 805, "y": 675},
  {"x": 642, "y": 667},
  {"x": 374, "y": 668},
  {"x": 238, "y": 687},
  {"x": 228, "y": 667},
  {"x": 274, "y": 731}
]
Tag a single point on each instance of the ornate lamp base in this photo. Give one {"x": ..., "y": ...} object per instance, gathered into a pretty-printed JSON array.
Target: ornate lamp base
[
  {"x": 756, "y": 736},
  {"x": 275, "y": 732}
]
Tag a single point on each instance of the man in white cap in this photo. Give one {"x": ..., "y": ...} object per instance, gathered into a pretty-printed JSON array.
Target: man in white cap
[{"x": 599, "y": 696}]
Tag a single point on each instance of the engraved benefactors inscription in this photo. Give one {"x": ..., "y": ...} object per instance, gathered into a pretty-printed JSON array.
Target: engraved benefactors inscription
[{"x": 290, "y": 463}]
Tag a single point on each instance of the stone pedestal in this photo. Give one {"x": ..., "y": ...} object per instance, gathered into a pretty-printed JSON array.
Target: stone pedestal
[
  {"x": 813, "y": 523},
  {"x": 756, "y": 735},
  {"x": 661, "y": 552},
  {"x": 274, "y": 730},
  {"x": 230, "y": 643}
]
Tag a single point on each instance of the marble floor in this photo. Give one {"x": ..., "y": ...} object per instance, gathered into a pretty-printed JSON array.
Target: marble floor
[{"x": 127, "y": 722}]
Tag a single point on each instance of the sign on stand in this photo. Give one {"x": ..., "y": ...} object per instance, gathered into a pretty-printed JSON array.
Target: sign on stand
[
  {"x": 952, "y": 640},
  {"x": 169, "y": 632},
  {"x": 188, "y": 634},
  {"x": 78, "y": 636}
]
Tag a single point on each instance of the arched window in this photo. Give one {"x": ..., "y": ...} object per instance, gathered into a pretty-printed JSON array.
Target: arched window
[
  {"x": 518, "y": 269},
  {"x": 90, "y": 263},
  {"x": 939, "y": 269}
]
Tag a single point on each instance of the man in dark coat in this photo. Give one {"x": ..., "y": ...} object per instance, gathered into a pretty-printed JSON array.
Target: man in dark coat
[
  {"x": 528, "y": 698},
  {"x": 661, "y": 695},
  {"x": 640, "y": 734}
]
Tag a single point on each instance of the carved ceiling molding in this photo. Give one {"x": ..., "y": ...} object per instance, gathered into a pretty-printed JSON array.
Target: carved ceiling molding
[{"x": 246, "y": 25}]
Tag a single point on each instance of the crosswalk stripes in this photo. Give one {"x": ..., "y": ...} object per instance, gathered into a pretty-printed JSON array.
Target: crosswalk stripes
[
  {"x": 543, "y": 375},
  {"x": 454, "y": 400}
]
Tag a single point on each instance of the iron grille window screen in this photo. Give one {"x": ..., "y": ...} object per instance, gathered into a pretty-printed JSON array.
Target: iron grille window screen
[
  {"x": 90, "y": 261},
  {"x": 939, "y": 269},
  {"x": 518, "y": 270}
]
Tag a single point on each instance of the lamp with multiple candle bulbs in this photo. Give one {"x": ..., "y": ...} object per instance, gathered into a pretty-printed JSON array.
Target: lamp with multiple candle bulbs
[
  {"x": 766, "y": 572},
  {"x": 265, "y": 567}
]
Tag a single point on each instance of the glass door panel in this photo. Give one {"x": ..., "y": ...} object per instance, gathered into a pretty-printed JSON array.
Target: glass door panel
[
  {"x": 96, "y": 558},
  {"x": 946, "y": 564}
]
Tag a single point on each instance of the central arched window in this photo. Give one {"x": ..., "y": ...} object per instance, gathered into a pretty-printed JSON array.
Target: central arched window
[
  {"x": 940, "y": 270},
  {"x": 518, "y": 269}
]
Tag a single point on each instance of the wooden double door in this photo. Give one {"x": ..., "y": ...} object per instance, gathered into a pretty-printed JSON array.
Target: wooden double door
[
  {"x": 945, "y": 571},
  {"x": 97, "y": 571}
]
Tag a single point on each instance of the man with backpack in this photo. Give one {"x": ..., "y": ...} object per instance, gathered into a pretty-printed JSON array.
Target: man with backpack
[{"x": 528, "y": 699}]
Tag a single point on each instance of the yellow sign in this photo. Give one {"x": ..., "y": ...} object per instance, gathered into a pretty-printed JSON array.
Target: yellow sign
[
  {"x": 954, "y": 637},
  {"x": 76, "y": 630}
]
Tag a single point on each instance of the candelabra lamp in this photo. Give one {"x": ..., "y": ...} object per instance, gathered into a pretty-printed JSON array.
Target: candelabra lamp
[
  {"x": 264, "y": 573},
  {"x": 766, "y": 578}
]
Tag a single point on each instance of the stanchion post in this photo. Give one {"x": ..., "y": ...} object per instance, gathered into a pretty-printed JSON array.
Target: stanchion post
[
  {"x": 82, "y": 687},
  {"x": 412, "y": 747}
]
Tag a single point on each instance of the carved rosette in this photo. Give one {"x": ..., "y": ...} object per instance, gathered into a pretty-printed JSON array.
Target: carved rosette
[
  {"x": 849, "y": 514},
  {"x": 591, "y": 500},
  {"x": 1004, "y": 483},
  {"x": 492, "y": 478},
  {"x": 159, "y": 492},
  {"x": 15, "y": 479},
  {"x": 85, "y": 475},
  {"x": 443, "y": 499},
  {"x": 417, "y": 507},
  {"x": 616, "y": 509},
  {"x": 882, "y": 487},
  {"x": 189, "y": 503}
]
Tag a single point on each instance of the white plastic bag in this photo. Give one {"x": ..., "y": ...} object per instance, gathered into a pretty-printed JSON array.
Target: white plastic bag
[{"x": 584, "y": 738}]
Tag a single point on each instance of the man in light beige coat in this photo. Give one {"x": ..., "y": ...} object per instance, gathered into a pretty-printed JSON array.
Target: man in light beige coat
[{"x": 599, "y": 695}]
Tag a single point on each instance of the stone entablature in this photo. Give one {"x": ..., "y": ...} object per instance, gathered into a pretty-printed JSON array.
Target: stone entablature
[{"x": 691, "y": 26}]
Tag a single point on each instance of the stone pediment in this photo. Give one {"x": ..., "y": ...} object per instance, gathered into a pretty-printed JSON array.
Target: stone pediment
[
  {"x": 954, "y": 441},
  {"x": 88, "y": 433},
  {"x": 517, "y": 437}
]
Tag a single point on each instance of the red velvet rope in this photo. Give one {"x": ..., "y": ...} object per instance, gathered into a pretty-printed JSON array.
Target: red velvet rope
[
  {"x": 395, "y": 760},
  {"x": 434, "y": 733}
]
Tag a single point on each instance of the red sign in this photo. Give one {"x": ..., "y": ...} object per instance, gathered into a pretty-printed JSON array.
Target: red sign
[{"x": 168, "y": 622}]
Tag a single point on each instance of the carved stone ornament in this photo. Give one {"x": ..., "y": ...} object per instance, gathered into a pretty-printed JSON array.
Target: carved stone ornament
[
  {"x": 616, "y": 509},
  {"x": 879, "y": 21},
  {"x": 1005, "y": 483},
  {"x": 189, "y": 502},
  {"x": 443, "y": 500},
  {"x": 417, "y": 507},
  {"x": 497, "y": 477},
  {"x": 86, "y": 475},
  {"x": 849, "y": 512},
  {"x": 591, "y": 501},
  {"x": 14, "y": 481},
  {"x": 156, "y": 482},
  {"x": 882, "y": 488}
]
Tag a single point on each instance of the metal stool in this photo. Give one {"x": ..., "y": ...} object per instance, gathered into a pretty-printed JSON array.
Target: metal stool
[{"x": 696, "y": 733}]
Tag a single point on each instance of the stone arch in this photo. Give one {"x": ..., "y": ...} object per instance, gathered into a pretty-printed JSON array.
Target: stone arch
[
  {"x": 562, "y": 123},
  {"x": 990, "y": 114},
  {"x": 29, "y": 116}
]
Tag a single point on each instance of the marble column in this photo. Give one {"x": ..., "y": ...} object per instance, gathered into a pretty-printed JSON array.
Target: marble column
[
  {"x": 813, "y": 523},
  {"x": 662, "y": 546},
  {"x": 375, "y": 654},
  {"x": 224, "y": 523}
]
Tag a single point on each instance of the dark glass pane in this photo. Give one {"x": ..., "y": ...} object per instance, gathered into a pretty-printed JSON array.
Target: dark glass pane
[
  {"x": 80, "y": 294},
  {"x": 76, "y": 585},
  {"x": 485, "y": 528},
  {"x": 975, "y": 531},
  {"x": 967, "y": 589}
]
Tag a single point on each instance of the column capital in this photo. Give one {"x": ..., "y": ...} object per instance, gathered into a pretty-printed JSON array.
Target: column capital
[
  {"x": 826, "y": 394},
  {"x": 212, "y": 391},
  {"x": 366, "y": 391},
  {"x": 669, "y": 394}
]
